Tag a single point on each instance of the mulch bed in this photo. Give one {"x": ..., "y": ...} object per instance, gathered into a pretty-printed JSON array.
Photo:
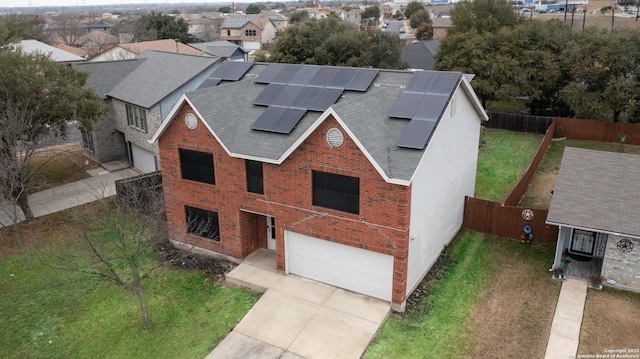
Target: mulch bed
[{"x": 178, "y": 258}]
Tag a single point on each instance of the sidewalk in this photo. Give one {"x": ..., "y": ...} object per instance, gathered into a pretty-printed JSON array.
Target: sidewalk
[
  {"x": 565, "y": 329},
  {"x": 70, "y": 195}
]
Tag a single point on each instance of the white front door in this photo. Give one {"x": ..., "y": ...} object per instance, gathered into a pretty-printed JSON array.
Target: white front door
[{"x": 271, "y": 233}]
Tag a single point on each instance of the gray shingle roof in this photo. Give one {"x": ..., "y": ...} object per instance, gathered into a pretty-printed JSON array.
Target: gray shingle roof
[
  {"x": 229, "y": 112},
  {"x": 219, "y": 48},
  {"x": 104, "y": 76},
  {"x": 597, "y": 190},
  {"x": 421, "y": 55},
  {"x": 159, "y": 75}
]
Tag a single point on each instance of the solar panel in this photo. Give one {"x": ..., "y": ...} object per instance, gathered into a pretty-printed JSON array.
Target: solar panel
[
  {"x": 444, "y": 83},
  {"x": 362, "y": 80},
  {"x": 267, "y": 75},
  {"x": 285, "y": 75},
  {"x": 431, "y": 107},
  {"x": 269, "y": 94},
  {"x": 209, "y": 83},
  {"x": 417, "y": 134},
  {"x": 420, "y": 81},
  {"x": 342, "y": 78},
  {"x": 287, "y": 95},
  {"x": 406, "y": 105},
  {"x": 278, "y": 119},
  {"x": 237, "y": 70},
  {"x": 316, "y": 98},
  {"x": 323, "y": 76},
  {"x": 304, "y": 75}
]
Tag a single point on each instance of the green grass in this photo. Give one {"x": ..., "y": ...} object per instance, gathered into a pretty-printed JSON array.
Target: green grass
[
  {"x": 552, "y": 158},
  {"x": 443, "y": 327},
  {"x": 49, "y": 314},
  {"x": 502, "y": 161},
  {"x": 441, "y": 330}
]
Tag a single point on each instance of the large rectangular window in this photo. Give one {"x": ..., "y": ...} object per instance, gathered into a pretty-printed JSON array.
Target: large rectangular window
[
  {"x": 254, "y": 177},
  {"x": 87, "y": 141},
  {"x": 249, "y": 33},
  {"x": 583, "y": 241},
  {"x": 197, "y": 166},
  {"x": 202, "y": 223},
  {"x": 336, "y": 192},
  {"x": 136, "y": 117}
]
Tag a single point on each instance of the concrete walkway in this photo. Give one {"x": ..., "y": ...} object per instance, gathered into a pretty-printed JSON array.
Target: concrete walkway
[
  {"x": 100, "y": 185},
  {"x": 299, "y": 318},
  {"x": 565, "y": 329}
]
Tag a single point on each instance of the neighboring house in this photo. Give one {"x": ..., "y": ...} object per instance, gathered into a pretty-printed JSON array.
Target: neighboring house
[
  {"x": 223, "y": 49},
  {"x": 204, "y": 27},
  {"x": 103, "y": 26},
  {"x": 56, "y": 54},
  {"x": 355, "y": 177},
  {"x": 596, "y": 205},
  {"x": 421, "y": 54},
  {"x": 139, "y": 96},
  {"x": 78, "y": 51},
  {"x": 252, "y": 32},
  {"x": 279, "y": 21},
  {"x": 96, "y": 42},
  {"x": 132, "y": 50},
  {"x": 387, "y": 10},
  {"x": 440, "y": 27},
  {"x": 352, "y": 17}
]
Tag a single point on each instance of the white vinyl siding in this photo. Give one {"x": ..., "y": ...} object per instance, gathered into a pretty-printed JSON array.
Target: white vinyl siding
[
  {"x": 358, "y": 270},
  {"x": 445, "y": 175}
]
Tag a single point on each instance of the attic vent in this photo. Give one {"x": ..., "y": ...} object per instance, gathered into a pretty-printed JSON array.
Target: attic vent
[
  {"x": 335, "y": 138},
  {"x": 191, "y": 121}
]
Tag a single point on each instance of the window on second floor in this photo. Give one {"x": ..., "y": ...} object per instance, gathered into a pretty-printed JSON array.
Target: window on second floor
[
  {"x": 136, "y": 117},
  {"x": 249, "y": 32},
  {"x": 197, "y": 166},
  {"x": 254, "y": 177},
  {"x": 337, "y": 192},
  {"x": 228, "y": 32}
]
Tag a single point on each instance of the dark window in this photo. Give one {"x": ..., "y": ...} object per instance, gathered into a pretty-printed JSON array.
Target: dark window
[
  {"x": 336, "y": 192},
  {"x": 249, "y": 32},
  {"x": 202, "y": 223},
  {"x": 583, "y": 241},
  {"x": 87, "y": 141},
  {"x": 254, "y": 177},
  {"x": 197, "y": 166},
  {"x": 136, "y": 117}
]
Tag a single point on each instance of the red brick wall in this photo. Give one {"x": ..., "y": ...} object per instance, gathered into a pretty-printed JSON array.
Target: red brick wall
[{"x": 381, "y": 226}]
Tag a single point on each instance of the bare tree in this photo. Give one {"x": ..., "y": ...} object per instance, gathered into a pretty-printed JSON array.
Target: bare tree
[{"x": 68, "y": 27}]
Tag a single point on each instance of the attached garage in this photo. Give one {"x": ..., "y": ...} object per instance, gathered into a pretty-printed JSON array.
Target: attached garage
[
  {"x": 355, "y": 269},
  {"x": 142, "y": 159},
  {"x": 251, "y": 45}
]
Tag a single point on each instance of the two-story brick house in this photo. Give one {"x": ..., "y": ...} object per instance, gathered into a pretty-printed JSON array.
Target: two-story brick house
[
  {"x": 354, "y": 177},
  {"x": 251, "y": 32}
]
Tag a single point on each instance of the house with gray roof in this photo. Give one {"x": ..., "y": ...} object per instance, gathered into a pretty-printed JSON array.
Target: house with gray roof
[
  {"x": 249, "y": 31},
  {"x": 223, "y": 49},
  {"x": 595, "y": 204},
  {"x": 349, "y": 176},
  {"x": 139, "y": 94},
  {"x": 56, "y": 54}
]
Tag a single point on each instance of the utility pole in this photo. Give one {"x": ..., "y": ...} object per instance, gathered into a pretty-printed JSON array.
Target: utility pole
[{"x": 584, "y": 16}]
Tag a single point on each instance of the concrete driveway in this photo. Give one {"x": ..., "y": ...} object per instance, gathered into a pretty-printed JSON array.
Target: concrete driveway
[{"x": 300, "y": 318}]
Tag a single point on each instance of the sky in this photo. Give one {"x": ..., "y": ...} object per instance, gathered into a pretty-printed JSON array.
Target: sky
[{"x": 27, "y": 3}]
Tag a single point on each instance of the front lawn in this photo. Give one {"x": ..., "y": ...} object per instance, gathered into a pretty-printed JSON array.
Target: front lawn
[
  {"x": 495, "y": 301},
  {"x": 49, "y": 313},
  {"x": 502, "y": 160}
]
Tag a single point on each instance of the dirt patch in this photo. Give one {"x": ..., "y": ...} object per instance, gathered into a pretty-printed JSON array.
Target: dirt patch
[
  {"x": 610, "y": 321},
  {"x": 178, "y": 258},
  {"x": 514, "y": 317},
  {"x": 538, "y": 194},
  {"x": 60, "y": 165},
  {"x": 435, "y": 273}
]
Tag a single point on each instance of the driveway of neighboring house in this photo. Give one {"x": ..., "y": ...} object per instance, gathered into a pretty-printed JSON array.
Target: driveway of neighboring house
[{"x": 299, "y": 318}]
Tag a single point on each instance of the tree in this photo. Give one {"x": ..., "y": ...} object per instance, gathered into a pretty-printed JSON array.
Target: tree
[
  {"x": 328, "y": 42},
  {"x": 14, "y": 28},
  {"x": 418, "y": 18},
  {"x": 299, "y": 16},
  {"x": 252, "y": 9},
  {"x": 163, "y": 27},
  {"x": 117, "y": 239},
  {"x": 38, "y": 97},
  {"x": 224, "y": 9},
  {"x": 424, "y": 31},
  {"x": 371, "y": 12},
  {"x": 68, "y": 27},
  {"x": 412, "y": 8},
  {"x": 482, "y": 16}
]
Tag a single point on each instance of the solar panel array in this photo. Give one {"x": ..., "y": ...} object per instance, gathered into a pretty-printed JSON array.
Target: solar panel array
[
  {"x": 292, "y": 90},
  {"x": 423, "y": 101},
  {"x": 226, "y": 71}
]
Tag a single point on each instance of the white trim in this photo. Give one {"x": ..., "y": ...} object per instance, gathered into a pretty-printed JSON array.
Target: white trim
[{"x": 592, "y": 230}]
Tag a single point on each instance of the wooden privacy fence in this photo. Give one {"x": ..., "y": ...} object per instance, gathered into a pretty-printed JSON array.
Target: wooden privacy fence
[
  {"x": 518, "y": 123},
  {"x": 601, "y": 131},
  {"x": 506, "y": 221}
]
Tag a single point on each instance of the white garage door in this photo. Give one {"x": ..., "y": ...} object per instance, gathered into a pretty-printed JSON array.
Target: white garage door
[
  {"x": 251, "y": 45},
  {"x": 143, "y": 160},
  {"x": 355, "y": 269}
]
